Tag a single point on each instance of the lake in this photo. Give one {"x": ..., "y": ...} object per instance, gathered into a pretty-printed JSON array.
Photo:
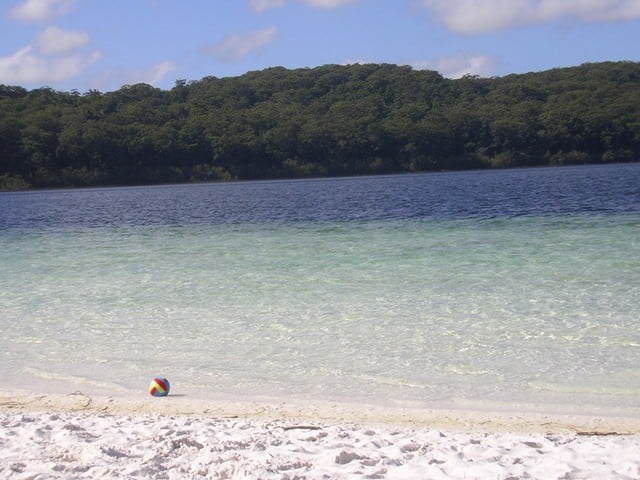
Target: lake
[{"x": 503, "y": 289}]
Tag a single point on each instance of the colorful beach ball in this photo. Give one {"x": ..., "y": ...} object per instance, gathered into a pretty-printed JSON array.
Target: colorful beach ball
[{"x": 159, "y": 387}]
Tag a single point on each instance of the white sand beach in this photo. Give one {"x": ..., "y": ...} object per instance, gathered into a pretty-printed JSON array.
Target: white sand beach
[{"x": 78, "y": 436}]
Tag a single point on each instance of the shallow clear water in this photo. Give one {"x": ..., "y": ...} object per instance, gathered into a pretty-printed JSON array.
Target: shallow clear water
[{"x": 516, "y": 289}]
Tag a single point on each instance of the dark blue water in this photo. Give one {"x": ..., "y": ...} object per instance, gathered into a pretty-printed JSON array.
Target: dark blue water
[{"x": 601, "y": 189}]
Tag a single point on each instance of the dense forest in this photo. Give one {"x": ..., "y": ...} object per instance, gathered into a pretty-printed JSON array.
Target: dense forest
[{"x": 325, "y": 121}]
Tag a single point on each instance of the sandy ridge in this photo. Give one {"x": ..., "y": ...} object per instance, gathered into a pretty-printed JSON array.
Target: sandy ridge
[{"x": 78, "y": 436}]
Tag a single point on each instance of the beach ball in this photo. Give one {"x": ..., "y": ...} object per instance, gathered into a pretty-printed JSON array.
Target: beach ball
[{"x": 159, "y": 387}]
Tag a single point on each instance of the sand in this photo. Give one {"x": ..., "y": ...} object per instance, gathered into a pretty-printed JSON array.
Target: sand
[{"x": 78, "y": 436}]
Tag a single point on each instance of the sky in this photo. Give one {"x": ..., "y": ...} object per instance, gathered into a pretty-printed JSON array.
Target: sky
[{"x": 102, "y": 45}]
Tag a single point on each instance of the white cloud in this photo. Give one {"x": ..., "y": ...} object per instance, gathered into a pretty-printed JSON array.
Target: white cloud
[
  {"x": 327, "y": 3},
  {"x": 460, "y": 65},
  {"x": 27, "y": 66},
  {"x": 236, "y": 47},
  {"x": 262, "y": 5},
  {"x": 589, "y": 10},
  {"x": 351, "y": 61},
  {"x": 113, "y": 78},
  {"x": 480, "y": 16},
  {"x": 156, "y": 73},
  {"x": 54, "y": 40},
  {"x": 48, "y": 59},
  {"x": 39, "y": 10}
]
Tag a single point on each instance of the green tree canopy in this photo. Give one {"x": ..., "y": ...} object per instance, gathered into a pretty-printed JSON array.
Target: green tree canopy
[{"x": 329, "y": 120}]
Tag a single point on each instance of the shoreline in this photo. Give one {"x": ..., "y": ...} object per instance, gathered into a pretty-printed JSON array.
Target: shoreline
[
  {"x": 79, "y": 436},
  {"x": 486, "y": 421}
]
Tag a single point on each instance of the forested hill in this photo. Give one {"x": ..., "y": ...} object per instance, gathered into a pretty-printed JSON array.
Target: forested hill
[{"x": 325, "y": 121}]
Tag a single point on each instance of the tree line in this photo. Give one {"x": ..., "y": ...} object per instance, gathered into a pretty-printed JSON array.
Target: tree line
[{"x": 331, "y": 120}]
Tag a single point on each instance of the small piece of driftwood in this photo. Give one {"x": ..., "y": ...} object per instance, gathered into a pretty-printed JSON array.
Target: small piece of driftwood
[{"x": 302, "y": 427}]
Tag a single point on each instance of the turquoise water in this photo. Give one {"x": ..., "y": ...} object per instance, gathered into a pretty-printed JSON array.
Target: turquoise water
[{"x": 536, "y": 308}]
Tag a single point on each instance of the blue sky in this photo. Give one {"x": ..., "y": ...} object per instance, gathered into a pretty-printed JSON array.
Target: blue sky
[{"x": 104, "y": 44}]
